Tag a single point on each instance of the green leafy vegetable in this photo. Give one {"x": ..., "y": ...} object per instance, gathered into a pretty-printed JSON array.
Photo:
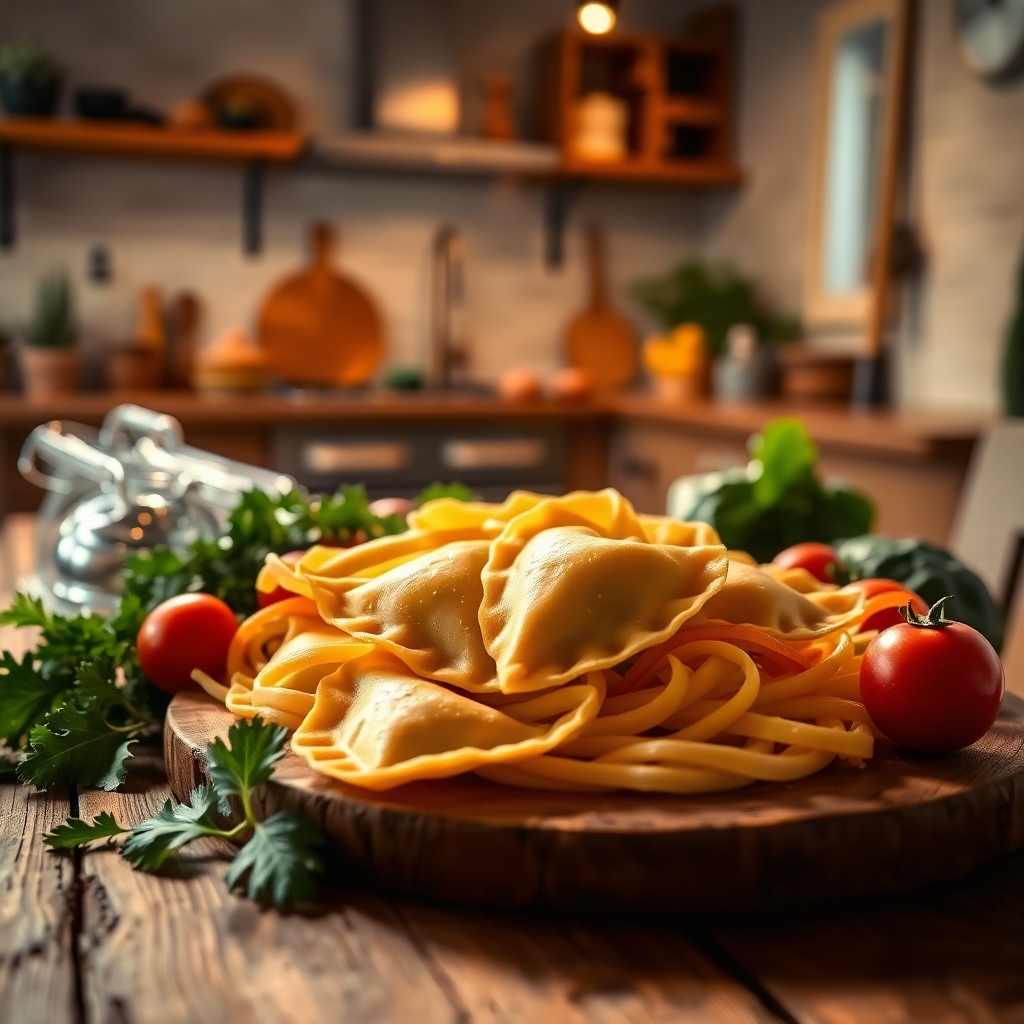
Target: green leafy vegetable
[
  {"x": 280, "y": 860},
  {"x": 76, "y": 832},
  {"x": 776, "y": 500},
  {"x": 929, "y": 571},
  {"x": 25, "y": 696},
  {"x": 248, "y": 762},
  {"x": 278, "y": 863},
  {"x": 77, "y": 743},
  {"x": 174, "y": 825}
]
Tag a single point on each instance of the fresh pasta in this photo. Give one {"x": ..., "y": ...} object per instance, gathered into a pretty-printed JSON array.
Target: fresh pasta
[{"x": 554, "y": 643}]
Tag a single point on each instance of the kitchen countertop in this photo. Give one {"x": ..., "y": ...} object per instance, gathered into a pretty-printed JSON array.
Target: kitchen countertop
[{"x": 880, "y": 431}]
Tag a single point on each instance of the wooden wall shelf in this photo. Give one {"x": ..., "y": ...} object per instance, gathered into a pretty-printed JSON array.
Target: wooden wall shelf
[
  {"x": 125, "y": 139},
  {"x": 252, "y": 149}
]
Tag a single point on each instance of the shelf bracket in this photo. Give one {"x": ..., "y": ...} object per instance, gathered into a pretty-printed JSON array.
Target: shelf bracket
[
  {"x": 7, "y": 232},
  {"x": 558, "y": 197},
  {"x": 252, "y": 207}
]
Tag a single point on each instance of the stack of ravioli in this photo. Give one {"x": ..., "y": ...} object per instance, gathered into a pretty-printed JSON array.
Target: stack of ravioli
[{"x": 564, "y": 643}]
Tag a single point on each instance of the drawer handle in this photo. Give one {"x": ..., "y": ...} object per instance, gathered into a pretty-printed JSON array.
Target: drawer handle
[
  {"x": 640, "y": 469},
  {"x": 526, "y": 453},
  {"x": 323, "y": 457}
]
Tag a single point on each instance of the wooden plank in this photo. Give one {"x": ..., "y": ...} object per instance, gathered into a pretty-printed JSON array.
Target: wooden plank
[
  {"x": 953, "y": 954},
  {"x": 164, "y": 949},
  {"x": 527, "y": 968},
  {"x": 37, "y": 906},
  {"x": 145, "y": 140}
]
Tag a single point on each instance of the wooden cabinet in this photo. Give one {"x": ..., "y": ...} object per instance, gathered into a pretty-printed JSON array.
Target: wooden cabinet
[
  {"x": 916, "y": 495},
  {"x": 674, "y": 97}
]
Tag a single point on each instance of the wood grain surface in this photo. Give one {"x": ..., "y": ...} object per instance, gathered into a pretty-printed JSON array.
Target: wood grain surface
[
  {"x": 320, "y": 327},
  {"x": 599, "y": 339},
  {"x": 900, "y": 822},
  {"x": 179, "y": 947}
]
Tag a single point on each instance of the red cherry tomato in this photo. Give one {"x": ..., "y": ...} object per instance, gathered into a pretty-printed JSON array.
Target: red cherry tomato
[
  {"x": 818, "y": 559},
  {"x": 185, "y": 632},
  {"x": 932, "y": 688},
  {"x": 279, "y": 593},
  {"x": 890, "y": 616}
]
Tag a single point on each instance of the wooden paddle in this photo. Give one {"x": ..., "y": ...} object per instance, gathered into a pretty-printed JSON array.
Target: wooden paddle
[
  {"x": 600, "y": 340},
  {"x": 320, "y": 327}
]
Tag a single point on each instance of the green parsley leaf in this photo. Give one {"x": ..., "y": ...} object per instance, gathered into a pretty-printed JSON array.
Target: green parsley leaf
[
  {"x": 76, "y": 832},
  {"x": 77, "y": 745},
  {"x": 25, "y": 696},
  {"x": 280, "y": 860},
  {"x": 174, "y": 825},
  {"x": 25, "y": 611},
  {"x": 248, "y": 759}
]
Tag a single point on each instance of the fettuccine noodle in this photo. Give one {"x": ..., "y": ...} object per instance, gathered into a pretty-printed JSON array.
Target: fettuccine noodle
[{"x": 563, "y": 644}]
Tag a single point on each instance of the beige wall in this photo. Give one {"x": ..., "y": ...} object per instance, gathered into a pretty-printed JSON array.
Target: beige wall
[
  {"x": 967, "y": 186},
  {"x": 179, "y": 225}
]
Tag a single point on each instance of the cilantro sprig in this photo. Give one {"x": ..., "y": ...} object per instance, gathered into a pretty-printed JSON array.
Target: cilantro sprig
[{"x": 279, "y": 860}]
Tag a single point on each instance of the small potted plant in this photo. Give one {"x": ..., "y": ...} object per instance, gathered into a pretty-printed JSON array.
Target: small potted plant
[
  {"x": 50, "y": 359},
  {"x": 30, "y": 80},
  {"x": 739, "y": 328}
]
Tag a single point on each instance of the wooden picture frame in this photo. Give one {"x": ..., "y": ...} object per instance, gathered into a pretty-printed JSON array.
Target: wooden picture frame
[{"x": 860, "y": 310}]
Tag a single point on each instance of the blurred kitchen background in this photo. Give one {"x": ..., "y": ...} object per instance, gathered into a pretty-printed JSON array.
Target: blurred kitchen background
[{"x": 341, "y": 238}]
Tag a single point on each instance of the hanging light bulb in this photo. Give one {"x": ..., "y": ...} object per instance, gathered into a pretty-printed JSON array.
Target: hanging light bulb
[{"x": 597, "y": 16}]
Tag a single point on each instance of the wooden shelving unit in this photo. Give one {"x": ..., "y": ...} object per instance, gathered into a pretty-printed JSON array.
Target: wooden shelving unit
[
  {"x": 252, "y": 149},
  {"x": 678, "y": 95}
]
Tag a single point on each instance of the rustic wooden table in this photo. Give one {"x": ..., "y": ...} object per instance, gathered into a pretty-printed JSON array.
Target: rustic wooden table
[{"x": 86, "y": 939}]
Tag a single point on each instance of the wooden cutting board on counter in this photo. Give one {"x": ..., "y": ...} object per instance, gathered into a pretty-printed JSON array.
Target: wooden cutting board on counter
[
  {"x": 320, "y": 327},
  {"x": 599, "y": 339},
  {"x": 902, "y": 821}
]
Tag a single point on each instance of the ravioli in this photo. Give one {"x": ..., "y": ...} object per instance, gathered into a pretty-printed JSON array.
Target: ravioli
[
  {"x": 376, "y": 724},
  {"x": 424, "y": 611},
  {"x": 751, "y": 596},
  {"x": 564, "y": 595},
  {"x": 668, "y": 530}
]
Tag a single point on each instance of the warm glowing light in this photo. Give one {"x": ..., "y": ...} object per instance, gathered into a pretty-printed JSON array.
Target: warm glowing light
[{"x": 596, "y": 18}]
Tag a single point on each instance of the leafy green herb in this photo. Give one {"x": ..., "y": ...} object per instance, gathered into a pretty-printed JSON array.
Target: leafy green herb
[
  {"x": 279, "y": 862},
  {"x": 76, "y": 832},
  {"x": 460, "y": 492},
  {"x": 78, "y": 743},
  {"x": 776, "y": 500},
  {"x": 174, "y": 825}
]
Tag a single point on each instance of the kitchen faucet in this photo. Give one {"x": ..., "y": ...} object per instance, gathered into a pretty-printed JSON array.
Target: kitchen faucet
[{"x": 449, "y": 346}]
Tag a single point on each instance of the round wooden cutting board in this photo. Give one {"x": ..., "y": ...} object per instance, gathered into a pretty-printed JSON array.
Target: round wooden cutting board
[{"x": 902, "y": 821}]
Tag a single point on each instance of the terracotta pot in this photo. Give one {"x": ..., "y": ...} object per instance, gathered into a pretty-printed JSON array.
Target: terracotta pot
[
  {"x": 130, "y": 369},
  {"x": 50, "y": 372}
]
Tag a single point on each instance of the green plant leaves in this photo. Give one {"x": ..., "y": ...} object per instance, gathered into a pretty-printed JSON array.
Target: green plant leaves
[
  {"x": 247, "y": 760},
  {"x": 280, "y": 861},
  {"x": 76, "y": 832},
  {"x": 76, "y": 744},
  {"x": 174, "y": 825}
]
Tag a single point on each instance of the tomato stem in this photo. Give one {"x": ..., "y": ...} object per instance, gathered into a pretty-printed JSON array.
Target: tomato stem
[{"x": 934, "y": 618}]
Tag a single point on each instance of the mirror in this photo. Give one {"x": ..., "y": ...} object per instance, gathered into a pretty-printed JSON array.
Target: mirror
[{"x": 861, "y": 88}]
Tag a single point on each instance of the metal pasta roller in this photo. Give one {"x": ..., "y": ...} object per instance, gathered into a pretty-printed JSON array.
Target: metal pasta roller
[{"x": 131, "y": 486}]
